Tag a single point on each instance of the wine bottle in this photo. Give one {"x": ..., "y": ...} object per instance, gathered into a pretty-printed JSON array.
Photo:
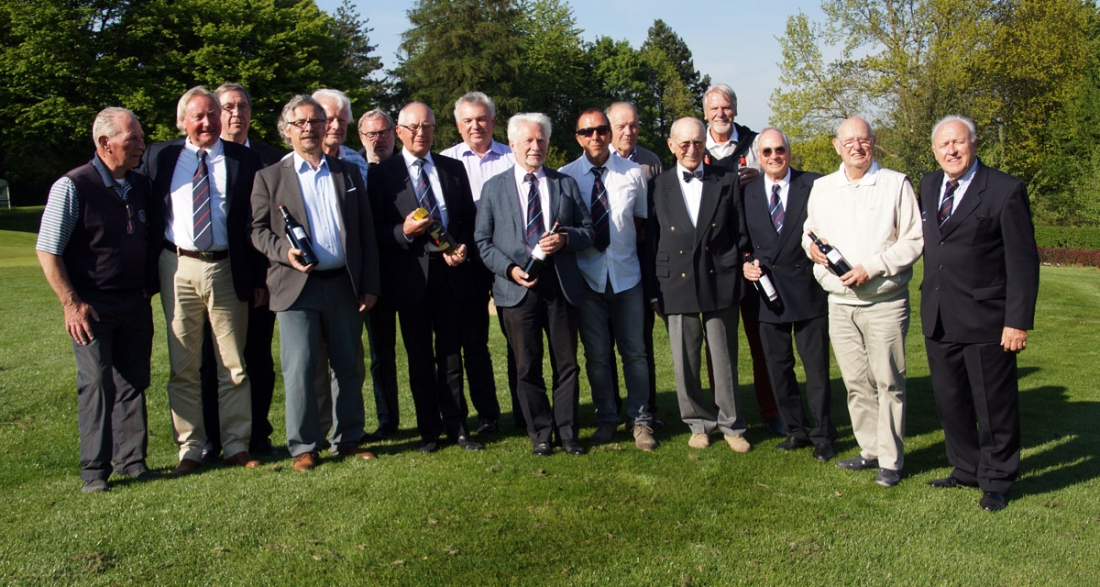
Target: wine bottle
[
  {"x": 299, "y": 238},
  {"x": 437, "y": 232},
  {"x": 766, "y": 288},
  {"x": 837, "y": 263},
  {"x": 538, "y": 256}
]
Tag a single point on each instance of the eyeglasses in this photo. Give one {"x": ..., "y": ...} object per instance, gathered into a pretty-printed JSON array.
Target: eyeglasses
[
  {"x": 767, "y": 151},
  {"x": 305, "y": 123},
  {"x": 603, "y": 129},
  {"x": 425, "y": 128},
  {"x": 375, "y": 135}
]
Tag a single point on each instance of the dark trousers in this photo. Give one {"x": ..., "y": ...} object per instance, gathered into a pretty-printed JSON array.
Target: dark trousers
[
  {"x": 260, "y": 366},
  {"x": 112, "y": 373},
  {"x": 474, "y": 322},
  {"x": 381, "y": 324},
  {"x": 812, "y": 338},
  {"x": 977, "y": 399},
  {"x": 544, "y": 308},
  {"x": 435, "y": 366}
]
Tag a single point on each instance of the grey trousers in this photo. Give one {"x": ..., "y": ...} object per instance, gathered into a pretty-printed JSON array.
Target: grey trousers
[
  {"x": 685, "y": 335},
  {"x": 112, "y": 373}
]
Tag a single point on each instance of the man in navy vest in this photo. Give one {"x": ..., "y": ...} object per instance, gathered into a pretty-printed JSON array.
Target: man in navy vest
[{"x": 97, "y": 252}]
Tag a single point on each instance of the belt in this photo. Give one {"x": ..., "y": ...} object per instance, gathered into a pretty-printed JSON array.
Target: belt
[
  {"x": 209, "y": 256},
  {"x": 329, "y": 273}
]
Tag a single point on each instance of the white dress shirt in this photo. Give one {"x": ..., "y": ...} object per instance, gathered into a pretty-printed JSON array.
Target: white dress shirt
[
  {"x": 964, "y": 182},
  {"x": 784, "y": 188},
  {"x": 179, "y": 226},
  {"x": 322, "y": 211},
  {"x": 693, "y": 192},
  {"x": 433, "y": 179},
  {"x": 626, "y": 200},
  {"x": 479, "y": 169}
]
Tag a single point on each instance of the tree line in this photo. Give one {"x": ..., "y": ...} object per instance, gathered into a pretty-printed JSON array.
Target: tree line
[{"x": 1027, "y": 71}]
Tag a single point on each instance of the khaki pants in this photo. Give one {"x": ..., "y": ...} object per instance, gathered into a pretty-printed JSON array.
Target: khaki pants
[
  {"x": 869, "y": 344},
  {"x": 190, "y": 291}
]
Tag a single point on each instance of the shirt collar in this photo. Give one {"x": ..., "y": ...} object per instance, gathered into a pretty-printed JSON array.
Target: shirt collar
[
  {"x": 214, "y": 151},
  {"x": 681, "y": 170},
  {"x": 410, "y": 158},
  {"x": 299, "y": 162},
  {"x": 768, "y": 182},
  {"x": 732, "y": 140},
  {"x": 867, "y": 179},
  {"x": 521, "y": 173},
  {"x": 104, "y": 173}
]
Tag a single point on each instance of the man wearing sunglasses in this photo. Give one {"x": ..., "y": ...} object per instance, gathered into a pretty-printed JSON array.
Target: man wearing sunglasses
[
  {"x": 615, "y": 192},
  {"x": 99, "y": 256},
  {"x": 775, "y": 209}
]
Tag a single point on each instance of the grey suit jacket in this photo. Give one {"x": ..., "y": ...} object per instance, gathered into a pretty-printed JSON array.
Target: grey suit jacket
[
  {"x": 650, "y": 162},
  {"x": 499, "y": 234},
  {"x": 278, "y": 186}
]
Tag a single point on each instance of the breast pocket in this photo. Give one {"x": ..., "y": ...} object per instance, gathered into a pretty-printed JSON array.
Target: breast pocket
[{"x": 661, "y": 268}]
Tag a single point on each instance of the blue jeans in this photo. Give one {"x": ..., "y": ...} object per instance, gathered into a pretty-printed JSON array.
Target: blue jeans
[{"x": 624, "y": 310}]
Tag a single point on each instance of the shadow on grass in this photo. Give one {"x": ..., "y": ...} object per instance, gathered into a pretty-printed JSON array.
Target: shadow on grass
[{"x": 21, "y": 219}]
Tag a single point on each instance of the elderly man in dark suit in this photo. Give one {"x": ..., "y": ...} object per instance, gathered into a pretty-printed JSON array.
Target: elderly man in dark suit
[
  {"x": 206, "y": 271},
  {"x": 981, "y": 281},
  {"x": 414, "y": 195},
  {"x": 321, "y": 301},
  {"x": 775, "y": 210},
  {"x": 695, "y": 230},
  {"x": 531, "y": 210}
]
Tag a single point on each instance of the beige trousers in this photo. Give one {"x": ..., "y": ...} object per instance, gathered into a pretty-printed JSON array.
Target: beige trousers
[
  {"x": 869, "y": 344},
  {"x": 190, "y": 291}
]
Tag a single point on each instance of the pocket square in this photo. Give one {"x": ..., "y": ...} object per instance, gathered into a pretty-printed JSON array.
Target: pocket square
[{"x": 351, "y": 189}]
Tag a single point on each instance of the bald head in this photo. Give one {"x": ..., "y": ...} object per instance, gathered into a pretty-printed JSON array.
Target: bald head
[{"x": 855, "y": 143}]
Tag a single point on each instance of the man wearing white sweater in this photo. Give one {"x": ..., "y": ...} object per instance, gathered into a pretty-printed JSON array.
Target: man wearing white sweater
[{"x": 871, "y": 216}]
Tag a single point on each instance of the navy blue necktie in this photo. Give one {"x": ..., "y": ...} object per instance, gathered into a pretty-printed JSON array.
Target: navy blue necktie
[
  {"x": 600, "y": 213},
  {"x": 534, "y": 211},
  {"x": 201, "y": 229}
]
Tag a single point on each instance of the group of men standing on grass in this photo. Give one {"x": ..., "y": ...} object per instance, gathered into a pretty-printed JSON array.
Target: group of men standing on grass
[{"x": 600, "y": 247}]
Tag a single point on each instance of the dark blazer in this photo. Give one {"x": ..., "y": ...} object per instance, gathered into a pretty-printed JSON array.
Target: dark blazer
[
  {"x": 268, "y": 154},
  {"x": 781, "y": 254},
  {"x": 241, "y": 165},
  {"x": 404, "y": 264},
  {"x": 691, "y": 270},
  {"x": 278, "y": 186},
  {"x": 981, "y": 269},
  {"x": 501, "y": 225}
]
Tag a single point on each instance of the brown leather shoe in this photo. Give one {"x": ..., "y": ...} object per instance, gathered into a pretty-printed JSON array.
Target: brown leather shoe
[
  {"x": 355, "y": 451},
  {"x": 242, "y": 459},
  {"x": 305, "y": 461},
  {"x": 186, "y": 467}
]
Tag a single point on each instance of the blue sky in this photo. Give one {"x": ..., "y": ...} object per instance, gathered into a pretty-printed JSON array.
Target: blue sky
[{"x": 732, "y": 41}]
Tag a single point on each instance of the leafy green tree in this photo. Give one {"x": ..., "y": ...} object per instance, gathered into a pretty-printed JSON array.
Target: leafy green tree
[{"x": 671, "y": 78}]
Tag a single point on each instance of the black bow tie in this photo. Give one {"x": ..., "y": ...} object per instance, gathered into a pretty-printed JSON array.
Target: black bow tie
[{"x": 697, "y": 174}]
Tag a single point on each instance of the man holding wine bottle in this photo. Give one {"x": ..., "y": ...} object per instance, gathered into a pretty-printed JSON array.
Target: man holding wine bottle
[
  {"x": 424, "y": 216},
  {"x": 613, "y": 275},
  {"x": 981, "y": 281},
  {"x": 871, "y": 214},
  {"x": 532, "y": 219},
  {"x": 775, "y": 210},
  {"x": 320, "y": 301}
]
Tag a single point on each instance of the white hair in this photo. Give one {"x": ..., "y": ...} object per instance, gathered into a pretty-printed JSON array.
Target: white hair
[
  {"x": 340, "y": 97},
  {"x": 528, "y": 118},
  {"x": 955, "y": 118},
  {"x": 106, "y": 123},
  {"x": 476, "y": 98},
  {"x": 185, "y": 99},
  {"x": 725, "y": 91},
  {"x": 756, "y": 141}
]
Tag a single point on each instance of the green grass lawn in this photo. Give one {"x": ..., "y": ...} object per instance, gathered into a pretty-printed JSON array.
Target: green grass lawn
[{"x": 504, "y": 517}]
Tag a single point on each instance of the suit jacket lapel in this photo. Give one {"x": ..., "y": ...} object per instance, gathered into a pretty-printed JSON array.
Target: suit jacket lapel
[
  {"x": 291, "y": 195},
  {"x": 756, "y": 210},
  {"x": 930, "y": 198},
  {"x": 232, "y": 169},
  {"x": 708, "y": 204},
  {"x": 797, "y": 195},
  {"x": 971, "y": 199},
  {"x": 552, "y": 215}
]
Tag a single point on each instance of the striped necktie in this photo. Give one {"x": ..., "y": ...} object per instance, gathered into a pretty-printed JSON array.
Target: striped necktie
[
  {"x": 424, "y": 194},
  {"x": 534, "y": 211},
  {"x": 775, "y": 209},
  {"x": 600, "y": 213},
  {"x": 202, "y": 230},
  {"x": 948, "y": 201}
]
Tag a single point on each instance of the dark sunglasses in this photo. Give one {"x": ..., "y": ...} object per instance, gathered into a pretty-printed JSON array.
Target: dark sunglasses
[
  {"x": 600, "y": 130},
  {"x": 767, "y": 151}
]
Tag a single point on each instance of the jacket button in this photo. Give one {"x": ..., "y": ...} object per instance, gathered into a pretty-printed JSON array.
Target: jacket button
[
  {"x": 714, "y": 225},
  {"x": 681, "y": 252},
  {"x": 940, "y": 268},
  {"x": 937, "y": 288},
  {"x": 672, "y": 229},
  {"x": 683, "y": 275},
  {"x": 712, "y": 271},
  {"x": 941, "y": 244}
]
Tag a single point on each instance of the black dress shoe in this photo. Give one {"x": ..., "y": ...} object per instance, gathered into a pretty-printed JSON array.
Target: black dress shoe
[
  {"x": 543, "y": 449},
  {"x": 487, "y": 426},
  {"x": 573, "y": 447},
  {"x": 263, "y": 448},
  {"x": 775, "y": 426},
  {"x": 467, "y": 443},
  {"x": 794, "y": 443},
  {"x": 427, "y": 446},
  {"x": 949, "y": 482},
  {"x": 824, "y": 452},
  {"x": 993, "y": 501},
  {"x": 383, "y": 433}
]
